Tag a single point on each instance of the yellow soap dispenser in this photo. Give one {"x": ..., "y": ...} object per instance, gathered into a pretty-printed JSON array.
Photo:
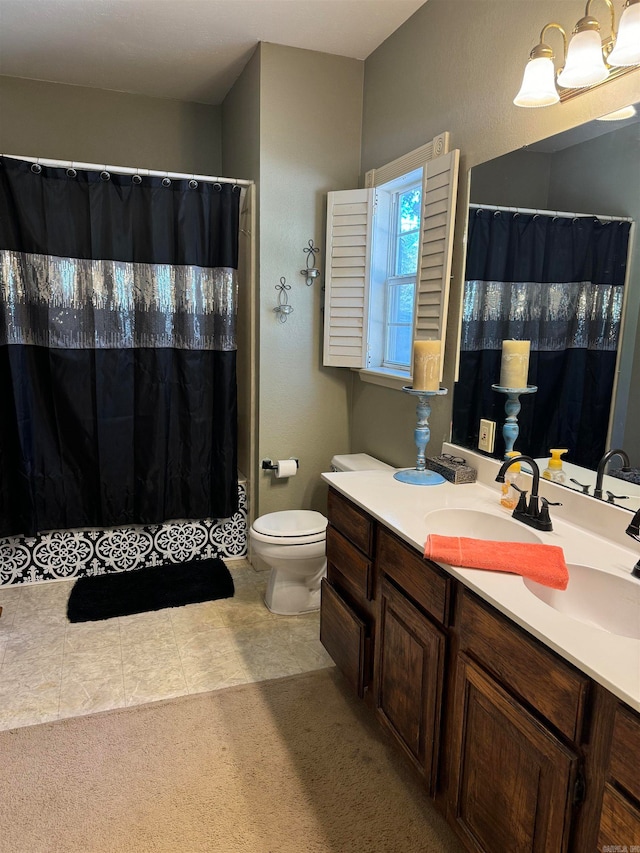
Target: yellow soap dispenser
[
  {"x": 509, "y": 496},
  {"x": 554, "y": 471}
]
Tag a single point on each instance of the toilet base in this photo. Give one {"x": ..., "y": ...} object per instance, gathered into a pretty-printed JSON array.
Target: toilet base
[{"x": 287, "y": 596}]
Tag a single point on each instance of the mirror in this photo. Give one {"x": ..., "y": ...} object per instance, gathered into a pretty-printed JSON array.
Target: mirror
[{"x": 593, "y": 169}]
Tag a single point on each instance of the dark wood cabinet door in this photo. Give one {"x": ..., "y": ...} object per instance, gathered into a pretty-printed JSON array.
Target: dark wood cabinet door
[
  {"x": 344, "y": 636},
  {"x": 409, "y": 676},
  {"x": 619, "y": 822},
  {"x": 620, "y": 817},
  {"x": 512, "y": 780}
]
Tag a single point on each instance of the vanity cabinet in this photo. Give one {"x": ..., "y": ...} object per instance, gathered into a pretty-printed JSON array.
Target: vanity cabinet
[
  {"x": 518, "y": 748},
  {"x": 347, "y": 621},
  {"x": 620, "y": 815},
  {"x": 516, "y": 713},
  {"x": 410, "y": 651}
]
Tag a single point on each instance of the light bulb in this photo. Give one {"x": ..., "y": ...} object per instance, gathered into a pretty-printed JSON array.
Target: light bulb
[
  {"x": 538, "y": 87},
  {"x": 585, "y": 62},
  {"x": 627, "y": 47}
]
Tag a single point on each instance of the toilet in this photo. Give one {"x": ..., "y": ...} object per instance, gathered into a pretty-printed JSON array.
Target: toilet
[{"x": 292, "y": 544}]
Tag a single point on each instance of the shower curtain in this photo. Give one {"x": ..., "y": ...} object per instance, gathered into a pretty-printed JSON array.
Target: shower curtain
[
  {"x": 117, "y": 348},
  {"x": 557, "y": 282}
]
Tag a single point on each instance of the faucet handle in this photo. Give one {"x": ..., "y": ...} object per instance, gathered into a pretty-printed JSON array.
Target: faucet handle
[
  {"x": 583, "y": 486},
  {"x": 634, "y": 531},
  {"x": 545, "y": 518},
  {"x": 522, "y": 500},
  {"x": 611, "y": 497},
  {"x": 547, "y": 503}
]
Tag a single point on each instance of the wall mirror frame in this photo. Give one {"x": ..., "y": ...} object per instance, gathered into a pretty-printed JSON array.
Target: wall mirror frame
[{"x": 592, "y": 169}]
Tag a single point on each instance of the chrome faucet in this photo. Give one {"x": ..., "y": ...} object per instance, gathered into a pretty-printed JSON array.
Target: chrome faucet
[
  {"x": 634, "y": 531},
  {"x": 602, "y": 464},
  {"x": 529, "y": 513}
]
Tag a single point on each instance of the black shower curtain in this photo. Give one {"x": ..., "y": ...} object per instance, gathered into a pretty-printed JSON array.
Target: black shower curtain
[
  {"x": 557, "y": 282},
  {"x": 117, "y": 349}
]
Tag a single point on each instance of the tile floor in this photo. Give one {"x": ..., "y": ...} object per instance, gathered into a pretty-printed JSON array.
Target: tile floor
[{"x": 51, "y": 668}]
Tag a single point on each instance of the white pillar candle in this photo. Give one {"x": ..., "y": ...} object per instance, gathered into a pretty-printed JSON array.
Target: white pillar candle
[
  {"x": 426, "y": 365},
  {"x": 514, "y": 369}
]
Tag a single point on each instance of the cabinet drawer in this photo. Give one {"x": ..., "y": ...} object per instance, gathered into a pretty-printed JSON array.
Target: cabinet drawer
[
  {"x": 351, "y": 521},
  {"x": 624, "y": 765},
  {"x": 343, "y": 635},
  {"x": 548, "y": 684},
  {"x": 619, "y": 822},
  {"x": 354, "y": 572},
  {"x": 427, "y": 584}
]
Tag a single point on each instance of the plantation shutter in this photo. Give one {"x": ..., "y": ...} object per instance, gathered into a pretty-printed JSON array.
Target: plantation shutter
[
  {"x": 346, "y": 300},
  {"x": 439, "y": 186}
]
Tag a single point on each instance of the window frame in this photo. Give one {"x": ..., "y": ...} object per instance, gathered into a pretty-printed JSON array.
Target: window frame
[{"x": 354, "y": 263}]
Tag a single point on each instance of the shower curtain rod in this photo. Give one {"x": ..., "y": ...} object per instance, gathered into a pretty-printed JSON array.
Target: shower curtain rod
[
  {"x": 559, "y": 213},
  {"x": 128, "y": 170}
]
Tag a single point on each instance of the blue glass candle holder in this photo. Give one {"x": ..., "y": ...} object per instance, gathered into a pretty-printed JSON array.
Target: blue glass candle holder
[
  {"x": 510, "y": 429},
  {"x": 420, "y": 476}
]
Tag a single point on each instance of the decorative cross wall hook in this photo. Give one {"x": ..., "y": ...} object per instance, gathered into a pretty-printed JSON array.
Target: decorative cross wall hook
[
  {"x": 310, "y": 272},
  {"x": 283, "y": 309}
]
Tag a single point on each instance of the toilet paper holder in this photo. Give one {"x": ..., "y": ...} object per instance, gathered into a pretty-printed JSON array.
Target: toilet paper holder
[{"x": 270, "y": 465}]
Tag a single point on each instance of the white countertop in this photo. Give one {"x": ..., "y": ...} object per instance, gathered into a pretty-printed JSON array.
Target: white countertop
[{"x": 611, "y": 660}]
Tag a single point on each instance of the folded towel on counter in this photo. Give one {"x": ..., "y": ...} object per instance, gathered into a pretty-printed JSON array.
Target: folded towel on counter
[{"x": 541, "y": 563}]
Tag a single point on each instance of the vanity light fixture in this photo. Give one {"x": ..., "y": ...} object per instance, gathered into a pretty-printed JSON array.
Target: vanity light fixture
[{"x": 588, "y": 60}]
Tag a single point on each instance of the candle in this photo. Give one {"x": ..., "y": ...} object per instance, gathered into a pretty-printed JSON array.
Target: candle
[
  {"x": 514, "y": 370},
  {"x": 426, "y": 365}
]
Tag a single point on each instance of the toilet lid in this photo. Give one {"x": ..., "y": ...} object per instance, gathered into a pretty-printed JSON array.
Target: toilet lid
[{"x": 295, "y": 522}]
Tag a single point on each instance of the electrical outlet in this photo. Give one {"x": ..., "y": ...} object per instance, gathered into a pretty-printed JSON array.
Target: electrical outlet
[{"x": 487, "y": 436}]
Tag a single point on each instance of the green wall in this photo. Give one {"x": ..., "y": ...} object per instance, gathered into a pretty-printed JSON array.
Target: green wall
[
  {"x": 456, "y": 66},
  {"x": 309, "y": 143},
  {"x": 60, "y": 122}
]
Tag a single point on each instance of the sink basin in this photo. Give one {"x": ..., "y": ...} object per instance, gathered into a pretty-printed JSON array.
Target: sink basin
[
  {"x": 478, "y": 525},
  {"x": 609, "y": 602}
]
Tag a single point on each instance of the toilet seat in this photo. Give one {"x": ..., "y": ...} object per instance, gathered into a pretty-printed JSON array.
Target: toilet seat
[{"x": 299, "y": 525}]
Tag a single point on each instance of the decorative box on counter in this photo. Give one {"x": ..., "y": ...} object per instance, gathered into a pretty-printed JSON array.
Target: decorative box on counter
[{"x": 452, "y": 468}]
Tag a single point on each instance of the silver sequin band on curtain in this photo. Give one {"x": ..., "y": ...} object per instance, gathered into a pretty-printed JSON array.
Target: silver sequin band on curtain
[
  {"x": 553, "y": 316},
  {"x": 75, "y": 303}
]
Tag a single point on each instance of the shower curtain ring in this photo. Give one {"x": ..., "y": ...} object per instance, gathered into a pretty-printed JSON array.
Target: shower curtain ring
[
  {"x": 36, "y": 168},
  {"x": 166, "y": 181},
  {"x": 193, "y": 184}
]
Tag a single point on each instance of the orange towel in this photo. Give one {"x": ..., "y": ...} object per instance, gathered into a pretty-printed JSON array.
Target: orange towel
[{"x": 541, "y": 563}]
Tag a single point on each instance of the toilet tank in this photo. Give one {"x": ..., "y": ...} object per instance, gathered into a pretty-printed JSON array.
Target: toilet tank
[{"x": 358, "y": 462}]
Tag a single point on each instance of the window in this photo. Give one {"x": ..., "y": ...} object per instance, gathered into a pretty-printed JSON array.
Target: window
[
  {"x": 389, "y": 263},
  {"x": 396, "y": 236}
]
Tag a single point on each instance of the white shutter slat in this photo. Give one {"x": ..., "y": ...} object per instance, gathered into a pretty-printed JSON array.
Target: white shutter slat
[
  {"x": 348, "y": 231},
  {"x": 346, "y": 302},
  {"x": 354, "y": 219},
  {"x": 349, "y": 252},
  {"x": 439, "y": 187},
  {"x": 342, "y": 262},
  {"x": 353, "y": 241}
]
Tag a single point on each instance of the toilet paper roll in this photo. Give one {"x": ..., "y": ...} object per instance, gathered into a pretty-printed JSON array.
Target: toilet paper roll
[{"x": 286, "y": 468}]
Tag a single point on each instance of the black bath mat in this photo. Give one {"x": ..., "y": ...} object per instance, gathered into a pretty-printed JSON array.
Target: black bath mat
[{"x": 151, "y": 588}]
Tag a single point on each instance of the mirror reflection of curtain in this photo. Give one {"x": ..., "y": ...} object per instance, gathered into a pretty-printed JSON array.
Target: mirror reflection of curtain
[
  {"x": 558, "y": 282},
  {"x": 117, "y": 349}
]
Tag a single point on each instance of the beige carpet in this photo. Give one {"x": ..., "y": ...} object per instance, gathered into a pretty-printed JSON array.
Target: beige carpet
[{"x": 284, "y": 766}]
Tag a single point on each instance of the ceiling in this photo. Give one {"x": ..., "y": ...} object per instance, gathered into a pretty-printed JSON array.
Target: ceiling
[{"x": 190, "y": 50}]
